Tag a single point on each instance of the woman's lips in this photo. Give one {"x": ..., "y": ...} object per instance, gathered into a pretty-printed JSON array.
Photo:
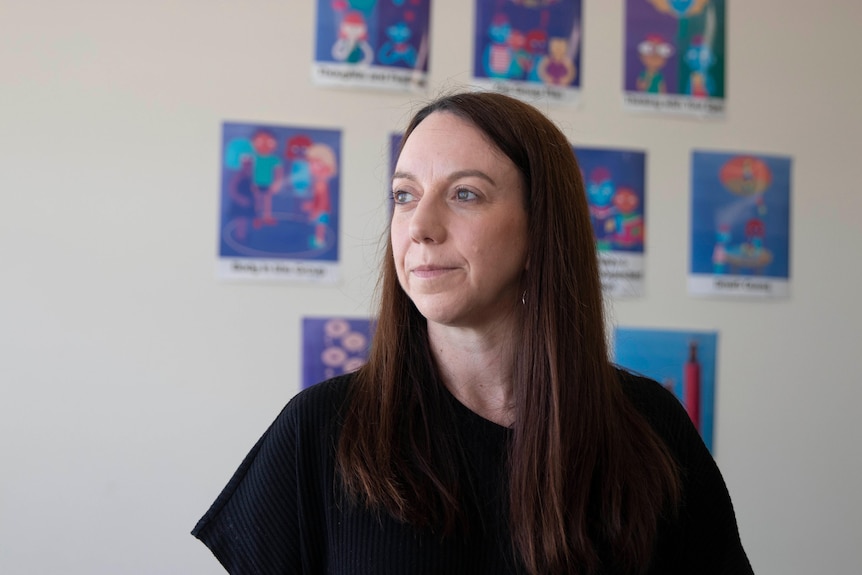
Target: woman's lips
[{"x": 431, "y": 271}]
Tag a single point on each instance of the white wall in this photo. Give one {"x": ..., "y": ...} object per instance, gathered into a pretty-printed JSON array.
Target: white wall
[{"x": 132, "y": 382}]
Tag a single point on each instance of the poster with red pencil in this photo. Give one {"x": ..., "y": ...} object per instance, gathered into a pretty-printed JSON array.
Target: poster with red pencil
[{"x": 683, "y": 361}]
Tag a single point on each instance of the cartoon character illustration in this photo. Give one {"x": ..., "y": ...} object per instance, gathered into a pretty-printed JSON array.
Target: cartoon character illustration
[
  {"x": 498, "y": 57},
  {"x": 522, "y": 60},
  {"x": 267, "y": 175},
  {"x": 537, "y": 47},
  {"x": 654, "y": 52},
  {"x": 352, "y": 45},
  {"x": 396, "y": 48},
  {"x": 299, "y": 177},
  {"x": 321, "y": 159},
  {"x": 628, "y": 223},
  {"x": 600, "y": 193},
  {"x": 700, "y": 59},
  {"x": 241, "y": 191},
  {"x": 558, "y": 68},
  {"x": 719, "y": 251}
]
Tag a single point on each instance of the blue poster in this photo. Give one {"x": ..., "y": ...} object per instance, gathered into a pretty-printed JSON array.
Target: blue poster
[
  {"x": 333, "y": 346},
  {"x": 372, "y": 43},
  {"x": 529, "y": 48},
  {"x": 740, "y": 211},
  {"x": 675, "y": 56},
  {"x": 683, "y": 361},
  {"x": 279, "y": 202},
  {"x": 615, "y": 185}
]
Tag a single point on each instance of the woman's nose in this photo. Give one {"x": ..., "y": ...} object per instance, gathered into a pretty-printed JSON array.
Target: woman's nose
[{"x": 427, "y": 223}]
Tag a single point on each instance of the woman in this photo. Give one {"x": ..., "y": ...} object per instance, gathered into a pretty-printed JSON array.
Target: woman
[{"x": 488, "y": 431}]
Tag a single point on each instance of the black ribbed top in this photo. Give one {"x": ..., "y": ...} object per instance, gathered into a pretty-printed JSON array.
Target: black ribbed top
[{"x": 282, "y": 512}]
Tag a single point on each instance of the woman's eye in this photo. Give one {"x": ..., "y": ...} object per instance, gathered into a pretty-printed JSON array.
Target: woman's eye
[
  {"x": 463, "y": 195},
  {"x": 401, "y": 197}
]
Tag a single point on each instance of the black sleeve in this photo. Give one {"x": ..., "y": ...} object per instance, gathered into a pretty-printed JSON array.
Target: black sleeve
[
  {"x": 254, "y": 525},
  {"x": 704, "y": 536}
]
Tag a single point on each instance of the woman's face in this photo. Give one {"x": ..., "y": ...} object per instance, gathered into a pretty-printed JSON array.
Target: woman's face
[{"x": 459, "y": 227}]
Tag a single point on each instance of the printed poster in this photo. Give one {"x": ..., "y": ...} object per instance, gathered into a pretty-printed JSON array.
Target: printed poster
[
  {"x": 740, "y": 236},
  {"x": 615, "y": 182},
  {"x": 333, "y": 346},
  {"x": 675, "y": 56},
  {"x": 279, "y": 203},
  {"x": 372, "y": 44},
  {"x": 683, "y": 361},
  {"x": 529, "y": 49}
]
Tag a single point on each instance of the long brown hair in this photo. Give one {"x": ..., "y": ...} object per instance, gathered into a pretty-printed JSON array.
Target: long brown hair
[{"x": 586, "y": 471}]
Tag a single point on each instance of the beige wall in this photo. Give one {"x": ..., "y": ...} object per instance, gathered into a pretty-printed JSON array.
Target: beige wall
[{"x": 132, "y": 382}]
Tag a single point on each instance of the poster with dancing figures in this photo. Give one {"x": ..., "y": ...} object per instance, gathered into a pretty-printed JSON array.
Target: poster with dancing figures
[
  {"x": 614, "y": 181},
  {"x": 333, "y": 346},
  {"x": 740, "y": 225},
  {"x": 372, "y": 44},
  {"x": 684, "y": 362},
  {"x": 529, "y": 49},
  {"x": 279, "y": 203},
  {"x": 675, "y": 57}
]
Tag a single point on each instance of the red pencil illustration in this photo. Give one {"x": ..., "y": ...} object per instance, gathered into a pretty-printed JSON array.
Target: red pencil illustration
[{"x": 691, "y": 385}]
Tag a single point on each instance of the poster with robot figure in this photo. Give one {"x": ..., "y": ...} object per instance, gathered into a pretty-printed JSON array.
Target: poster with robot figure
[
  {"x": 529, "y": 49},
  {"x": 333, "y": 346},
  {"x": 675, "y": 57},
  {"x": 740, "y": 225},
  {"x": 684, "y": 362},
  {"x": 279, "y": 203},
  {"x": 372, "y": 44},
  {"x": 614, "y": 181}
]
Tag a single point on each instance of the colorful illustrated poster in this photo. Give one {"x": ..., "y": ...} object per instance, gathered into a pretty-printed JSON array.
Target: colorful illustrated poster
[
  {"x": 740, "y": 225},
  {"x": 614, "y": 181},
  {"x": 333, "y": 346},
  {"x": 675, "y": 56},
  {"x": 683, "y": 361},
  {"x": 529, "y": 49},
  {"x": 372, "y": 44},
  {"x": 279, "y": 203}
]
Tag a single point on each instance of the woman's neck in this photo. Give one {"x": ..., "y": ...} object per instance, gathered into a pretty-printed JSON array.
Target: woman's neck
[{"x": 476, "y": 367}]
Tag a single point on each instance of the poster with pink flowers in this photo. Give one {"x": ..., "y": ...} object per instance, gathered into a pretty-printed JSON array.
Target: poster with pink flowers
[
  {"x": 675, "y": 57},
  {"x": 333, "y": 346},
  {"x": 372, "y": 44},
  {"x": 740, "y": 225},
  {"x": 529, "y": 49},
  {"x": 279, "y": 203}
]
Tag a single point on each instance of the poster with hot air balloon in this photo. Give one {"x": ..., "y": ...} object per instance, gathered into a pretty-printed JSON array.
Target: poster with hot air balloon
[
  {"x": 333, "y": 346},
  {"x": 684, "y": 362},
  {"x": 530, "y": 49},
  {"x": 675, "y": 57},
  {"x": 740, "y": 225},
  {"x": 280, "y": 188},
  {"x": 372, "y": 44},
  {"x": 614, "y": 181}
]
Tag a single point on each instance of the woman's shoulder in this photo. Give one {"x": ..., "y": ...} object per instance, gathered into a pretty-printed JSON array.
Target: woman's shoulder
[
  {"x": 661, "y": 408},
  {"x": 647, "y": 394},
  {"x": 318, "y": 406}
]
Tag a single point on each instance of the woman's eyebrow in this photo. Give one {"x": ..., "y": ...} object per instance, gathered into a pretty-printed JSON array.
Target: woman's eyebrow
[{"x": 452, "y": 177}]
